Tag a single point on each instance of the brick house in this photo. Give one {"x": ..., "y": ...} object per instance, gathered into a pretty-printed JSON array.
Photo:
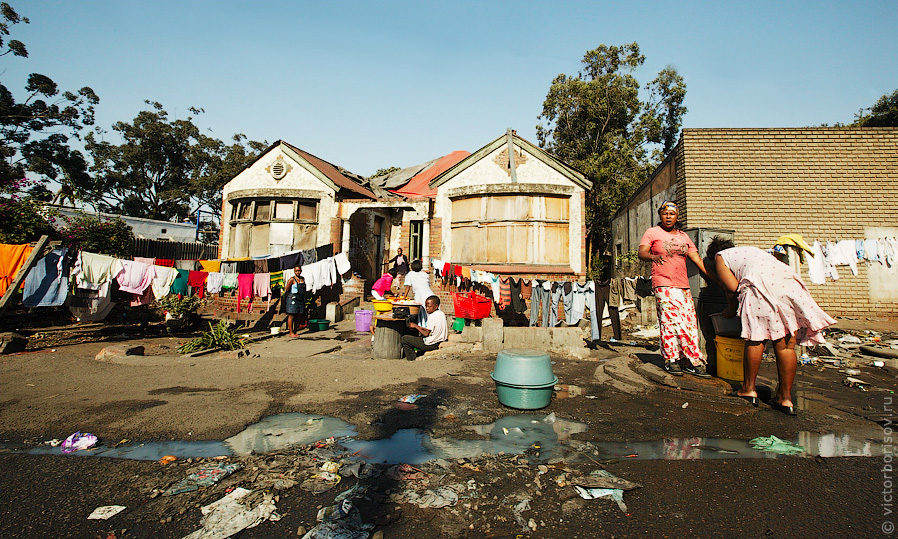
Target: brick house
[
  {"x": 825, "y": 183},
  {"x": 521, "y": 216}
]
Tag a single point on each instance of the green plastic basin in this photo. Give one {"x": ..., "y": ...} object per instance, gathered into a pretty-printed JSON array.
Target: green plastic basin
[{"x": 523, "y": 367}]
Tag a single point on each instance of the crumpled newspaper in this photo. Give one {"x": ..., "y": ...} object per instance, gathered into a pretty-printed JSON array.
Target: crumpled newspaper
[{"x": 227, "y": 516}]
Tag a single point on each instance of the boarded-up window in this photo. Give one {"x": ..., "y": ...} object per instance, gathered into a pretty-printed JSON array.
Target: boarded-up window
[
  {"x": 511, "y": 229},
  {"x": 271, "y": 227},
  {"x": 263, "y": 211},
  {"x": 308, "y": 211},
  {"x": 283, "y": 210}
]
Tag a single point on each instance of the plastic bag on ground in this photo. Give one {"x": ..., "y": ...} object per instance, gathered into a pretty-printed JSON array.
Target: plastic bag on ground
[
  {"x": 78, "y": 441},
  {"x": 227, "y": 516},
  {"x": 204, "y": 477},
  {"x": 772, "y": 444},
  {"x": 342, "y": 522}
]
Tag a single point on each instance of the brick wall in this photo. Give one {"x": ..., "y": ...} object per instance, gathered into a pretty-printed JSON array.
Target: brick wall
[{"x": 826, "y": 184}]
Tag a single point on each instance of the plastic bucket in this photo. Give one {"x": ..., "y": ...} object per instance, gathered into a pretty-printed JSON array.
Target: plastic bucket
[
  {"x": 525, "y": 397},
  {"x": 363, "y": 320},
  {"x": 730, "y": 357},
  {"x": 459, "y": 324}
]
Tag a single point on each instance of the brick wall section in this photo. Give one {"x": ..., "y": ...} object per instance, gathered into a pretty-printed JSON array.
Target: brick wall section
[{"x": 826, "y": 184}]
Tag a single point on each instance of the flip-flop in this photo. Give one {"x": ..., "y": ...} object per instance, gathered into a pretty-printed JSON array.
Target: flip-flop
[
  {"x": 788, "y": 410},
  {"x": 751, "y": 400}
]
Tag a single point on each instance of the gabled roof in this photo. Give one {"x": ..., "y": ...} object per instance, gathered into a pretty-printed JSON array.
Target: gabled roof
[
  {"x": 339, "y": 177},
  {"x": 418, "y": 186},
  {"x": 565, "y": 170},
  {"x": 335, "y": 177}
]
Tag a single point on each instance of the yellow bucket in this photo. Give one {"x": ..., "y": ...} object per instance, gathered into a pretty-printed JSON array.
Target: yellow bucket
[{"x": 730, "y": 356}]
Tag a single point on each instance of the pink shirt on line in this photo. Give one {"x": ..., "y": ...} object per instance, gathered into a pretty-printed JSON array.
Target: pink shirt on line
[{"x": 673, "y": 246}]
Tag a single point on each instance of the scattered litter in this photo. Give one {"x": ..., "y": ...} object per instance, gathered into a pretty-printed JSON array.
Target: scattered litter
[
  {"x": 53, "y": 443},
  {"x": 78, "y": 441},
  {"x": 685, "y": 405},
  {"x": 204, "y": 477},
  {"x": 320, "y": 482},
  {"x": 604, "y": 480},
  {"x": 342, "y": 522},
  {"x": 332, "y": 467},
  {"x": 405, "y": 472},
  {"x": 411, "y": 398},
  {"x": 524, "y": 505},
  {"x": 772, "y": 444},
  {"x": 648, "y": 333},
  {"x": 849, "y": 339},
  {"x": 167, "y": 459},
  {"x": 434, "y": 499},
  {"x": 855, "y": 382},
  {"x": 228, "y": 516},
  {"x": 105, "y": 512},
  {"x": 850, "y": 372},
  {"x": 879, "y": 363}
]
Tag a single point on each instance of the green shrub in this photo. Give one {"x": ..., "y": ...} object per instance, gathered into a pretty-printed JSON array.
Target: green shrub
[{"x": 89, "y": 233}]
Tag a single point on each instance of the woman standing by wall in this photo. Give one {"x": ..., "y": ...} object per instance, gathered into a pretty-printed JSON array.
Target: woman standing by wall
[{"x": 667, "y": 248}]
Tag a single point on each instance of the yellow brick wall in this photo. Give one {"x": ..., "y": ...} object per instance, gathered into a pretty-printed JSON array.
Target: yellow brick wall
[{"x": 826, "y": 184}]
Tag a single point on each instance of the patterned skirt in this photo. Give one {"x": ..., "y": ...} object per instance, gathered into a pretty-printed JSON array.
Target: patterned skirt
[{"x": 679, "y": 329}]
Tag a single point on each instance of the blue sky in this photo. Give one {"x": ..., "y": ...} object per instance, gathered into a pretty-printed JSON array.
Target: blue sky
[{"x": 372, "y": 84}]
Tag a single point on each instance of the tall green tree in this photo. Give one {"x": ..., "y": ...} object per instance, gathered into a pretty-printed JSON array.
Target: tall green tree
[
  {"x": 883, "y": 113},
  {"x": 35, "y": 131},
  {"x": 603, "y": 122},
  {"x": 164, "y": 168}
]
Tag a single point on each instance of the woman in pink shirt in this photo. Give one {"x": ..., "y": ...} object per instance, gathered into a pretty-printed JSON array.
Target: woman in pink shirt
[{"x": 667, "y": 248}]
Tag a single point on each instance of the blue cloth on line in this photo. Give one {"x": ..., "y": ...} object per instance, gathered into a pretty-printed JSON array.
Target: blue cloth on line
[{"x": 47, "y": 284}]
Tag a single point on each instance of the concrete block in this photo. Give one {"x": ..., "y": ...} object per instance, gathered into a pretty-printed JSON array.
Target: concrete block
[
  {"x": 535, "y": 338},
  {"x": 334, "y": 312},
  {"x": 493, "y": 334},
  {"x": 567, "y": 339},
  {"x": 471, "y": 334},
  {"x": 11, "y": 342},
  {"x": 117, "y": 351}
]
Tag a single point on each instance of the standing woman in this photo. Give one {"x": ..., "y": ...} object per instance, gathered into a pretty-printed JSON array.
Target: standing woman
[
  {"x": 667, "y": 248},
  {"x": 773, "y": 305},
  {"x": 400, "y": 262},
  {"x": 296, "y": 302}
]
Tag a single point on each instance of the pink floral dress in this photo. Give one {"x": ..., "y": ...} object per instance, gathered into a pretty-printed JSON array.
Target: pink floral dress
[{"x": 773, "y": 300}]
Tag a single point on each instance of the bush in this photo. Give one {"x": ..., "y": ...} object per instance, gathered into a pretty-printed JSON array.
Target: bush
[
  {"x": 111, "y": 237},
  {"x": 179, "y": 307},
  {"x": 24, "y": 221}
]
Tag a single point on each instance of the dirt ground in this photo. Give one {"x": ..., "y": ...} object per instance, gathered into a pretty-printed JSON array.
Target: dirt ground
[{"x": 57, "y": 387}]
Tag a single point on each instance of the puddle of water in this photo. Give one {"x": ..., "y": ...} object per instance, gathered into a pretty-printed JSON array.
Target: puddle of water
[
  {"x": 540, "y": 437},
  {"x": 283, "y": 430}
]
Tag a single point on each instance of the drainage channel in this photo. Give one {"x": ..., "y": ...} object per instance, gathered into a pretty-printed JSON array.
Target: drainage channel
[{"x": 542, "y": 437}]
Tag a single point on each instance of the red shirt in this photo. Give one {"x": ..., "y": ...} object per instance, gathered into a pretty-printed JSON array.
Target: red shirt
[{"x": 673, "y": 246}]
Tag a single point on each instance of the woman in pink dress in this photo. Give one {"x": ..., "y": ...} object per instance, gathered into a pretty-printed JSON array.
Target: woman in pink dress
[
  {"x": 773, "y": 305},
  {"x": 667, "y": 248}
]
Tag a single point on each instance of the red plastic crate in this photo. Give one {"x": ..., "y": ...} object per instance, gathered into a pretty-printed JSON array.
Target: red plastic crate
[{"x": 472, "y": 306}]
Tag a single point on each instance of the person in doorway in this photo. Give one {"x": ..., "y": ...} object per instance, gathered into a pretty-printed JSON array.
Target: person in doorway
[
  {"x": 430, "y": 331},
  {"x": 296, "y": 302},
  {"x": 383, "y": 285},
  {"x": 400, "y": 262},
  {"x": 418, "y": 283},
  {"x": 667, "y": 248},
  {"x": 774, "y": 305}
]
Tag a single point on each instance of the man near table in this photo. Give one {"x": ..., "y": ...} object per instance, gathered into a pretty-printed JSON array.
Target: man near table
[{"x": 428, "y": 336}]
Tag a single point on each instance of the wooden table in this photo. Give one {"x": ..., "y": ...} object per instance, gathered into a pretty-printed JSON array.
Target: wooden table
[{"x": 386, "y": 337}]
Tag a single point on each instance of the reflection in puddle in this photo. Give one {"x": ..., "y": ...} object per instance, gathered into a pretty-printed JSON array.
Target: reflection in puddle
[{"x": 541, "y": 437}]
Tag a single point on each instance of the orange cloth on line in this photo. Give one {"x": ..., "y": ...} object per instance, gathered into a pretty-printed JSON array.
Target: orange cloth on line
[
  {"x": 466, "y": 273},
  {"x": 11, "y": 259},
  {"x": 211, "y": 266}
]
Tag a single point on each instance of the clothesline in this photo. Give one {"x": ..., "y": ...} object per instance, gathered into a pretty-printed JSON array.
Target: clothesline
[
  {"x": 822, "y": 259},
  {"x": 85, "y": 279}
]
